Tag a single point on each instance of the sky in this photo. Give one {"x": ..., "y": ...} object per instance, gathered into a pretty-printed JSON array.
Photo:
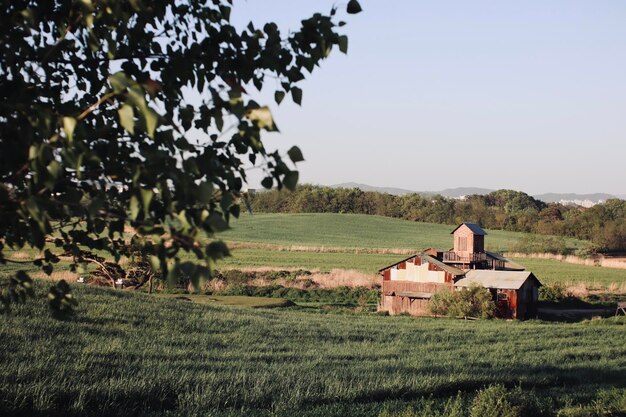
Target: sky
[{"x": 526, "y": 95}]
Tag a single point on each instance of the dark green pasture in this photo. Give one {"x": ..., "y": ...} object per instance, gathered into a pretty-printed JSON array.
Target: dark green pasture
[{"x": 134, "y": 354}]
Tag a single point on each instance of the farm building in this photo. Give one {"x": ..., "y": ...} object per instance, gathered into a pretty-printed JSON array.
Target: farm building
[{"x": 409, "y": 284}]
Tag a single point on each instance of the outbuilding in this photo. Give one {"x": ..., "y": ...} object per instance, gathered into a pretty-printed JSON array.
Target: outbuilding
[{"x": 515, "y": 292}]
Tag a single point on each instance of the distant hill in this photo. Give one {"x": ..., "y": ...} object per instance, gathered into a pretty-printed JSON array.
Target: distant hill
[
  {"x": 365, "y": 187},
  {"x": 448, "y": 192},
  {"x": 462, "y": 191},
  {"x": 580, "y": 199},
  {"x": 572, "y": 197}
]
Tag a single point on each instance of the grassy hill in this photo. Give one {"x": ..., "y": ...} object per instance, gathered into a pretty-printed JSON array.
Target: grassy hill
[
  {"x": 306, "y": 239},
  {"x": 135, "y": 354},
  {"x": 357, "y": 231}
]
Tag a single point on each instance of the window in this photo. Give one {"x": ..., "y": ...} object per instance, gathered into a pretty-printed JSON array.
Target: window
[{"x": 502, "y": 296}]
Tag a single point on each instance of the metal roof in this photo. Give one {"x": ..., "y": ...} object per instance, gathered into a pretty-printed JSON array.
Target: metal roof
[
  {"x": 508, "y": 264},
  {"x": 502, "y": 280},
  {"x": 399, "y": 262},
  {"x": 476, "y": 229},
  {"x": 408, "y": 294},
  {"x": 445, "y": 267},
  {"x": 427, "y": 258}
]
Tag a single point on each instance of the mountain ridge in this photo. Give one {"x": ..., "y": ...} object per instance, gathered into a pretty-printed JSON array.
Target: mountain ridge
[{"x": 464, "y": 191}]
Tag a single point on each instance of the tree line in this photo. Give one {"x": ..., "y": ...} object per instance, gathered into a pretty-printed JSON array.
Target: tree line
[{"x": 603, "y": 224}]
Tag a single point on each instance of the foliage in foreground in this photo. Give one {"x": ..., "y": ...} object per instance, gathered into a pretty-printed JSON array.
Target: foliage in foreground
[
  {"x": 129, "y": 353},
  {"x": 137, "y": 115}
]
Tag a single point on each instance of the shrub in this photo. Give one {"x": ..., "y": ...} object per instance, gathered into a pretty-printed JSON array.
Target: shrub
[
  {"x": 493, "y": 402},
  {"x": 553, "y": 292},
  {"x": 474, "y": 301}
]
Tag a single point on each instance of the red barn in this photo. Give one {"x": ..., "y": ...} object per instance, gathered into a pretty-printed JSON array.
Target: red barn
[{"x": 409, "y": 284}]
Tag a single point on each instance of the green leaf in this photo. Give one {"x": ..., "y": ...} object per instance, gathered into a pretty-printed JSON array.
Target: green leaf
[
  {"x": 267, "y": 182},
  {"x": 119, "y": 81},
  {"x": 54, "y": 168},
  {"x": 217, "y": 222},
  {"x": 279, "y": 96},
  {"x": 291, "y": 180},
  {"x": 134, "y": 207},
  {"x": 127, "y": 118},
  {"x": 296, "y": 94},
  {"x": 343, "y": 43},
  {"x": 205, "y": 192},
  {"x": 155, "y": 263},
  {"x": 69, "y": 124},
  {"x": 262, "y": 117},
  {"x": 146, "y": 198},
  {"x": 152, "y": 119},
  {"x": 137, "y": 97},
  {"x": 217, "y": 250},
  {"x": 295, "y": 154},
  {"x": 226, "y": 201},
  {"x": 354, "y": 7}
]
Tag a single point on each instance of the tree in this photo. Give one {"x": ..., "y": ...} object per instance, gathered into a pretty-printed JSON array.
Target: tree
[{"x": 137, "y": 114}]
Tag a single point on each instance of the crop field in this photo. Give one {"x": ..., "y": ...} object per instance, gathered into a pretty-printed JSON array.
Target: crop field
[
  {"x": 357, "y": 231},
  {"x": 323, "y": 261},
  {"x": 135, "y": 354}
]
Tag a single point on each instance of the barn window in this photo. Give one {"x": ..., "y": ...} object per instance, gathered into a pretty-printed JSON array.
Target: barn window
[{"x": 502, "y": 296}]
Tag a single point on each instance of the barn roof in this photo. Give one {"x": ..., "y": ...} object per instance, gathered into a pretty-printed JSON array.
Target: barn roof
[
  {"x": 508, "y": 264},
  {"x": 445, "y": 267},
  {"x": 476, "y": 229},
  {"x": 427, "y": 258},
  {"x": 502, "y": 280}
]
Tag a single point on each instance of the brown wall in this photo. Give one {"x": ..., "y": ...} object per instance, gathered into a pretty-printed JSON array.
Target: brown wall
[
  {"x": 527, "y": 300},
  {"x": 474, "y": 243},
  {"x": 396, "y": 304},
  {"x": 411, "y": 286},
  {"x": 465, "y": 233}
]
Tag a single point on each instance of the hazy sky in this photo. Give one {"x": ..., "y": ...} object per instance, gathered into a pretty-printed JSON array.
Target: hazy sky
[{"x": 528, "y": 95}]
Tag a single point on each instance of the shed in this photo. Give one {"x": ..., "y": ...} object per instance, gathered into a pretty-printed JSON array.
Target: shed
[{"x": 515, "y": 292}]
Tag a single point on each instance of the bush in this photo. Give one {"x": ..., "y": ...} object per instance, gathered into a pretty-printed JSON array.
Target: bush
[
  {"x": 553, "y": 292},
  {"x": 474, "y": 301},
  {"x": 493, "y": 402},
  {"x": 532, "y": 243}
]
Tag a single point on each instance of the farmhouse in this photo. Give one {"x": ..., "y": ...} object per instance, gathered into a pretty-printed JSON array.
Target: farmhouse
[{"x": 409, "y": 284}]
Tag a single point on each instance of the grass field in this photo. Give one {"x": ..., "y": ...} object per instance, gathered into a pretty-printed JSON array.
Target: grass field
[
  {"x": 135, "y": 354},
  {"x": 357, "y": 231},
  {"x": 228, "y": 300},
  {"x": 550, "y": 271},
  {"x": 250, "y": 258}
]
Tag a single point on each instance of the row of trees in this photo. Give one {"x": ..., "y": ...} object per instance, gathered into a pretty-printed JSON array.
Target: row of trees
[{"x": 603, "y": 224}]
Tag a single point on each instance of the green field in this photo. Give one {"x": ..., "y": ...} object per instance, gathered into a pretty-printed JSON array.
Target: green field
[
  {"x": 549, "y": 271},
  {"x": 250, "y": 258},
  {"x": 357, "y": 231},
  {"x": 228, "y": 300},
  {"x": 350, "y": 234},
  {"x": 135, "y": 354}
]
